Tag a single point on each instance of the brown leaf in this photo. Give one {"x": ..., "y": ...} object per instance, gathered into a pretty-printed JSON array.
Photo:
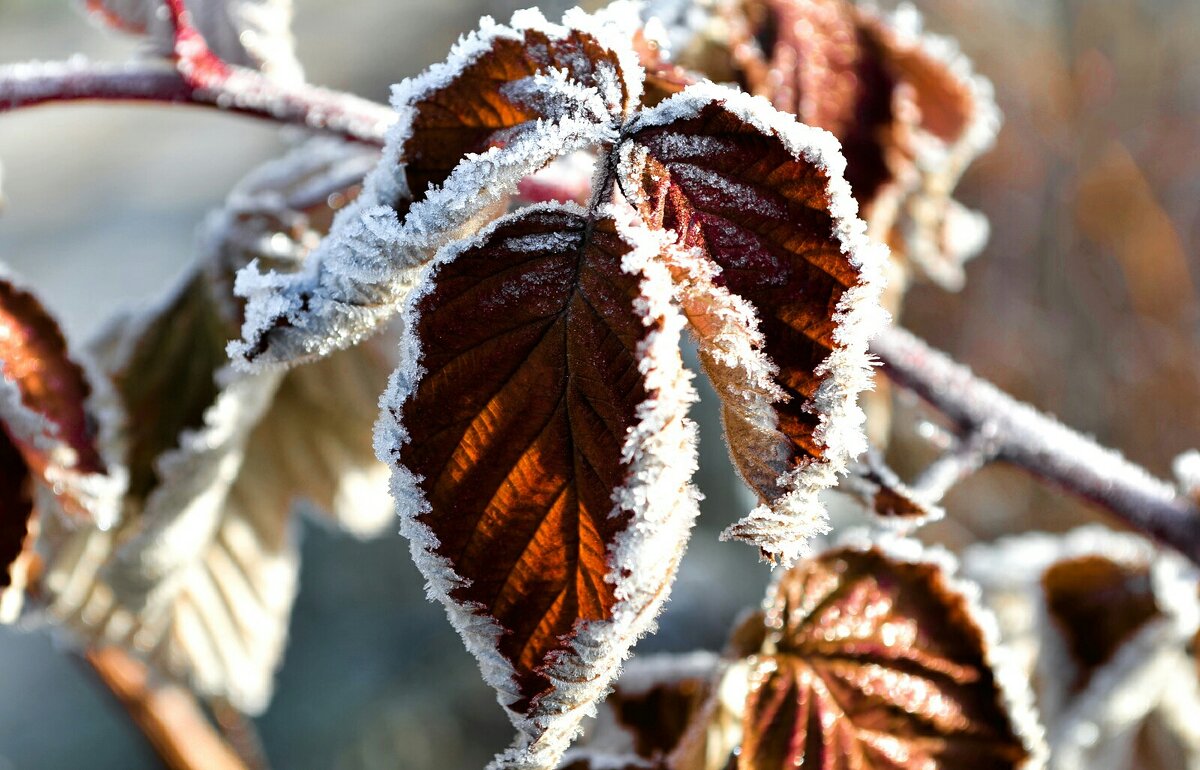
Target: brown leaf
[
  {"x": 549, "y": 383},
  {"x": 1097, "y": 604},
  {"x": 484, "y": 103},
  {"x": 875, "y": 661},
  {"x": 756, "y": 200}
]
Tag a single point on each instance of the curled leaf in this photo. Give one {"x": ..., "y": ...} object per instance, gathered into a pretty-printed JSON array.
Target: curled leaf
[
  {"x": 543, "y": 454},
  {"x": 762, "y": 199}
]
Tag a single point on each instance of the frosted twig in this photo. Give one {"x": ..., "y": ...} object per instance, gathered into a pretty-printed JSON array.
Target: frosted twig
[
  {"x": 243, "y": 91},
  {"x": 964, "y": 458},
  {"x": 1041, "y": 445}
]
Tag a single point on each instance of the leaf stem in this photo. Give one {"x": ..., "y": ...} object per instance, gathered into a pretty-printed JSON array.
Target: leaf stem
[
  {"x": 1040, "y": 444},
  {"x": 239, "y": 90},
  {"x": 167, "y": 715}
]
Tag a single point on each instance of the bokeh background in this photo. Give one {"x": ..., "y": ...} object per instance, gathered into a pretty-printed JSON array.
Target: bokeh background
[{"x": 1084, "y": 303}]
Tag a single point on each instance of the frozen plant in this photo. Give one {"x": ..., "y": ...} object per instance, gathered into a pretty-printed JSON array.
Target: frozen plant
[{"x": 523, "y": 239}]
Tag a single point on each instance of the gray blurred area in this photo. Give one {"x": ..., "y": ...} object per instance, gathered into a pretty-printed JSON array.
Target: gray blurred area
[{"x": 1084, "y": 304}]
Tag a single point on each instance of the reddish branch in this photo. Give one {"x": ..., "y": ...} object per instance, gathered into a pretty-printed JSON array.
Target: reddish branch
[
  {"x": 1039, "y": 444},
  {"x": 243, "y": 91},
  {"x": 167, "y": 715}
]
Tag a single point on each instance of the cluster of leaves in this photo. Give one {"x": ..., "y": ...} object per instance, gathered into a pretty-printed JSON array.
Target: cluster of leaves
[{"x": 556, "y": 205}]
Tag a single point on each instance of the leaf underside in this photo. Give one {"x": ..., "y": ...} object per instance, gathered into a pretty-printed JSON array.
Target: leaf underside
[
  {"x": 742, "y": 200},
  {"x": 517, "y": 426},
  {"x": 874, "y": 662}
]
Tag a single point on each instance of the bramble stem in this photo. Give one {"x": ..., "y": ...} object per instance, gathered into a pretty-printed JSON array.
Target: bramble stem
[
  {"x": 241, "y": 91},
  {"x": 967, "y": 456},
  {"x": 1040, "y": 444},
  {"x": 167, "y": 714}
]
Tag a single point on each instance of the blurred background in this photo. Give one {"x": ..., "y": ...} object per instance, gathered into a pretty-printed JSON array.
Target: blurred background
[{"x": 1084, "y": 303}]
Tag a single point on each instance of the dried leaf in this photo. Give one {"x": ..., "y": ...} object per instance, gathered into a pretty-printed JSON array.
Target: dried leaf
[
  {"x": 497, "y": 83},
  {"x": 166, "y": 375},
  {"x": 543, "y": 454},
  {"x": 201, "y": 578},
  {"x": 249, "y": 33},
  {"x": 877, "y": 659},
  {"x": 762, "y": 198}
]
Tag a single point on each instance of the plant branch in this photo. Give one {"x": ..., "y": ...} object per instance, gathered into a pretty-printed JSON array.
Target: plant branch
[
  {"x": 241, "y": 91},
  {"x": 963, "y": 459},
  {"x": 167, "y": 715},
  {"x": 1040, "y": 444}
]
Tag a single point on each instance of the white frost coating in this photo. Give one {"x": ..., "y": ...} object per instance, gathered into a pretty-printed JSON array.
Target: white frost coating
[
  {"x": 792, "y": 514},
  {"x": 1187, "y": 473},
  {"x": 1014, "y": 685},
  {"x": 661, "y": 456},
  {"x": 939, "y": 234},
  {"x": 643, "y": 673},
  {"x": 360, "y": 274}
]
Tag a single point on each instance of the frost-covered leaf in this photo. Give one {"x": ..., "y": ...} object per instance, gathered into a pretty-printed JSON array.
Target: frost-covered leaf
[
  {"x": 248, "y": 33},
  {"x": 762, "y": 198},
  {"x": 1104, "y": 619},
  {"x": 543, "y": 455},
  {"x": 200, "y": 579},
  {"x": 486, "y": 98},
  {"x": 876, "y": 658},
  {"x": 498, "y": 82},
  {"x": 45, "y": 410},
  {"x": 49, "y": 446}
]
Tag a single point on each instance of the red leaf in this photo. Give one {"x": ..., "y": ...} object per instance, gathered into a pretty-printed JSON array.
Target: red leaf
[
  {"x": 475, "y": 101},
  {"x": 530, "y": 478},
  {"x": 53, "y": 389},
  {"x": 873, "y": 661},
  {"x": 762, "y": 198}
]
